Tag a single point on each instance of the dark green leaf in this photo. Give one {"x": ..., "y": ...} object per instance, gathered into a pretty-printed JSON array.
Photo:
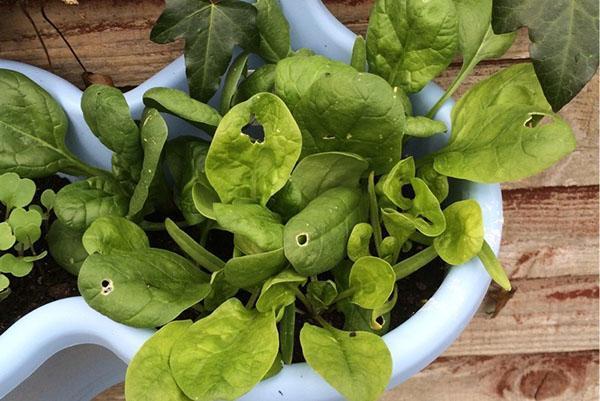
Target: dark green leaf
[{"x": 274, "y": 31}]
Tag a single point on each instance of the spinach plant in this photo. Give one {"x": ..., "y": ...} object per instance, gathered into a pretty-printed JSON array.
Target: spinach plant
[{"x": 317, "y": 211}]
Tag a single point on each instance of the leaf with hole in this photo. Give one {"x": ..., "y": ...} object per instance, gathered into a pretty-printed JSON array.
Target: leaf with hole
[{"x": 393, "y": 182}]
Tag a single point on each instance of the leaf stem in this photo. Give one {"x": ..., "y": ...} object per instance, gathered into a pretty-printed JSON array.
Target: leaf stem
[
  {"x": 344, "y": 294},
  {"x": 253, "y": 298},
  {"x": 410, "y": 265},
  {"x": 374, "y": 213}
]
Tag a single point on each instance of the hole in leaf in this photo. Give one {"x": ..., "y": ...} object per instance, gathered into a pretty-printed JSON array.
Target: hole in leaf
[
  {"x": 538, "y": 120},
  {"x": 107, "y": 286},
  {"x": 329, "y": 137},
  {"x": 426, "y": 220},
  {"x": 408, "y": 191},
  {"x": 302, "y": 239},
  {"x": 254, "y": 130},
  {"x": 352, "y": 334}
]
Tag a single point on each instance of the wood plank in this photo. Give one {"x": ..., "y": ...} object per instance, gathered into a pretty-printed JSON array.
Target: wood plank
[
  {"x": 550, "y": 231},
  {"x": 556, "y": 314},
  {"x": 570, "y": 376}
]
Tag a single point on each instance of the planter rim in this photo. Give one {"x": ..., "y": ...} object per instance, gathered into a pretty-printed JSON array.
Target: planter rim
[{"x": 413, "y": 345}]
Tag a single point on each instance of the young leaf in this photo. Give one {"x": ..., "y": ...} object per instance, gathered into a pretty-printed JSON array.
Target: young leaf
[
  {"x": 109, "y": 233},
  {"x": 411, "y": 42},
  {"x": 193, "y": 249},
  {"x": 423, "y": 127},
  {"x": 359, "y": 54},
  {"x": 251, "y": 270},
  {"x": 66, "y": 247},
  {"x": 240, "y": 168},
  {"x": 315, "y": 239},
  {"x": 493, "y": 266},
  {"x": 357, "y": 364},
  {"x": 358, "y": 113},
  {"x": 33, "y": 146},
  {"x": 390, "y": 249},
  {"x": 47, "y": 199},
  {"x": 287, "y": 327},
  {"x": 149, "y": 374},
  {"x": 17, "y": 266},
  {"x": 399, "y": 176},
  {"x": 141, "y": 288},
  {"x": 436, "y": 182},
  {"x": 274, "y": 31},
  {"x": 411, "y": 264},
  {"x": 4, "y": 283},
  {"x": 564, "y": 41},
  {"x": 380, "y": 316},
  {"x": 211, "y": 31},
  {"x": 261, "y": 80},
  {"x": 180, "y": 104},
  {"x": 15, "y": 191},
  {"x": 278, "y": 291},
  {"x": 80, "y": 203},
  {"x": 428, "y": 216},
  {"x": 26, "y": 226},
  {"x": 259, "y": 228},
  {"x": 463, "y": 237},
  {"x": 154, "y": 132},
  {"x": 399, "y": 225},
  {"x": 321, "y": 294},
  {"x": 372, "y": 280},
  {"x": 236, "y": 69},
  {"x": 220, "y": 292},
  {"x": 224, "y": 355},
  {"x": 7, "y": 238},
  {"x": 359, "y": 241}
]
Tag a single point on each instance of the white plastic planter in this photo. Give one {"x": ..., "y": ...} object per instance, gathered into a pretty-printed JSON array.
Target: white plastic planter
[{"x": 65, "y": 351}]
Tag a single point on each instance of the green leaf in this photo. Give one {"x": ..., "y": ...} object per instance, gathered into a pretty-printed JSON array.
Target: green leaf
[
  {"x": 224, "y": 355},
  {"x": 358, "y": 113},
  {"x": 80, "y": 203},
  {"x": 564, "y": 41},
  {"x": 493, "y": 266},
  {"x": 47, "y": 199},
  {"x": 185, "y": 157},
  {"x": 66, "y": 247},
  {"x": 211, "y": 31},
  {"x": 180, "y": 104},
  {"x": 399, "y": 176},
  {"x": 287, "y": 330},
  {"x": 154, "y": 132},
  {"x": 110, "y": 233},
  {"x": 436, "y": 182},
  {"x": 359, "y": 54},
  {"x": 107, "y": 114},
  {"x": 463, "y": 237},
  {"x": 261, "y": 80},
  {"x": 357, "y": 364},
  {"x": 15, "y": 191},
  {"x": 321, "y": 294},
  {"x": 316, "y": 174},
  {"x": 426, "y": 211},
  {"x": 359, "y": 241},
  {"x": 149, "y": 374},
  {"x": 33, "y": 146},
  {"x": 7, "y": 238},
  {"x": 496, "y": 136},
  {"x": 411, "y": 42},
  {"x": 278, "y": 291},
  {"x": 315, "y": 239},
  {"x": 234, "y": 73},
  {"x": 26, "y": 226},
  {"x": 372, "y": 280},
  {"x": 240, "y": 168},
  {"x": 294, "y": 76},
  {"x": 141, "y": 288},
  {"x": 204, "y": 197},
  {"x": 251, "y": 270},
  {"x": 220, "y": 292},
  {"x": 4, "y": 283},
  {"x": 274, "y": 31},
  {"x": 17, "y": 266},
  {"x": 399, "y": 225},
  {"x": 380, "y": 316},
  {"x": 423, "y": 127},
  {"x": 390, "y": 249}
]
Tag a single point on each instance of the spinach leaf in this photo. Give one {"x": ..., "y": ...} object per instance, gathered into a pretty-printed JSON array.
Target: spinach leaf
[
  {"x": 107, "y": 114},
  {"x": 359, "y": 241},
  {"x": 399, "y": 225},
  {"x": 321, "y": 294},
  {"x": 193, "y": 249},
  {"x": 80, "y": 203},
  {"x": 476, "y": 41},
  {"x": 66, "y": 247},
  {"x": 287, "y": 327},
  {"x": 279, "y": 291},
  {"x": 141, "y": 288},
  {"x": 372, "y": 280},
  {"x": 33, "y": 127},
  {"x": 411, "y": 42},
  {"x": 274, "y": 31},
  {"x": 220, "y": 291},
  {"x": 564, "y": 41},
  {"x": 261, "y": 80},
  {"x": 357, "y": 364},
  {"x": 260, "y": 229},
  {"x": 251, "y": 270},
  {"x": 423, "y": 127},
  {"x": 399, "y": 176},
  {"x": 315, "y": 239},
  {"x": 241, "y": 168},
  {"x": 463, "y": 237},
  {"x": 237, "y": 68},
  {"x": 109, "y": 233},
  {"x": 493, "y": 266},
  {"x": 358, "y": 113},
  {"x": 211, "y": 31},
  {"x": 149, "y": 374},
  {"x": 180, "y": 104},
  {"x": 390, "y": 249},
  {"x": 154, "y": 132},
  {"x": 428, "y": 216},
  {"x": 436, "y": 182},
  {"x": 359, "y": 54},
  {"x": 224, "y": 355},
  {"x": 204, "y": 197}
]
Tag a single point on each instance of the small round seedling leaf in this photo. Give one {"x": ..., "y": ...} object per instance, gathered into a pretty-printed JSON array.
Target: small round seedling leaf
[
  {"x": 359, "y": 241},
  {"x": 4, "y": 283},
  {"x": 17, "y": 266},
  {"x": 16, "y": 191},
  {"x": 114, "y": 233},
  {"x": 463, "y": 237},
  {"x": 278, "y": 291},
  {"x": 26, "y": 225},
  {"x": 355, "y": 363},
  {"x": 373, "y": 281},
  {"x": 149, "y": 375},
  {"x": 47, "y": 199},
  {"x": 224, "y": 355},
  {"x": 7, "y": 238}
]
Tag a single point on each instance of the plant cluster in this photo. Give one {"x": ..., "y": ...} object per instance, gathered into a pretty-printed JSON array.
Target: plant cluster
[{"x": 305, "y": 170}]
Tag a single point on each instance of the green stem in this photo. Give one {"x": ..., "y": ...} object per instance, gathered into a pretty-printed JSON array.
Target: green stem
[
  {"x": 286, "y": 333},
  {"x": 83, "y": 169},
  {"x": 344, "y": 294},
  {"x": 463, "y": 73},
  {"x": 253, "y": 298},
  {"x": 158, "y": 226},
  {"x": 374, "y": 213},
  {"x": 194, "y": 250},
  {"x": 410, "y": 265}
]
